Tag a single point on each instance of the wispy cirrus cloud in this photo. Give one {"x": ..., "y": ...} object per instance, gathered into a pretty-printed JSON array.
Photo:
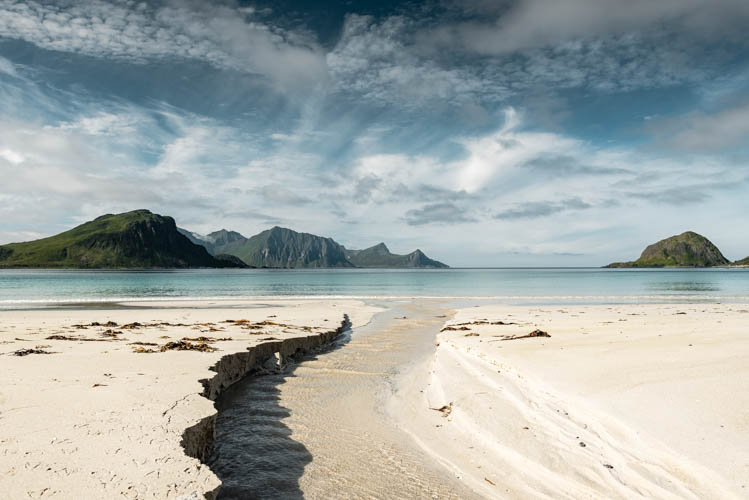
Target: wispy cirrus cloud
[
  {"x": 224, "y": 36},
  {"x": 535, "y": 209},
  {"x": 438, "y": 213},
  {"x": 703, "y": 131}
]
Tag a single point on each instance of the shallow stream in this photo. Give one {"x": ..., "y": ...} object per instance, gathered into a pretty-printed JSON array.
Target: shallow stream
[{"x": 319, "y": 430}]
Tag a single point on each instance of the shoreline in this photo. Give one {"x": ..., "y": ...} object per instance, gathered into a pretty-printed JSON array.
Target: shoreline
[
  {"x": 96, "y": 415},
  {"x": 216, "y": 302}
]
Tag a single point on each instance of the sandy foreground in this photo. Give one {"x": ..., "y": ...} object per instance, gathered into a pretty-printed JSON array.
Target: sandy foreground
[
  {"x": 97, "y": 419},
  {"x": 635, "y": 401}
]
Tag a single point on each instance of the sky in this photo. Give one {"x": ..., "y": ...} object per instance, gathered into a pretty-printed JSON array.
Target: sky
[{"x": 486, "y": 133}]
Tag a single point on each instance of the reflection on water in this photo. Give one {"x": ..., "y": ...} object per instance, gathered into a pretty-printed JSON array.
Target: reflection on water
[
  {"x": 319, "y": 431},
  {"x": 254, "y": 453},
  {"x": 685, "y": 286}
]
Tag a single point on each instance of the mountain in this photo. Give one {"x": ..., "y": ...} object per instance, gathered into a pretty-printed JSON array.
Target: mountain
[
  {"x": 218, "y": 242},
  {"x": 684, "y": 250},
  {"x": 137, "y": 239},
  {"x": 380, "y": 256},
  {"x": 280, "y": 247},
  {"x": 284, "y": 248},
  {"x": 742, "y": 262}
]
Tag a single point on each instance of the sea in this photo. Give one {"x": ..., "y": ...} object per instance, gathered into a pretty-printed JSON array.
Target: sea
[{"x": 22, "y": 289}]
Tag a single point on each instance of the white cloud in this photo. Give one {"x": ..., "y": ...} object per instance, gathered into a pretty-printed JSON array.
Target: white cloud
[
  {"x": 532, "y": 24},
  {"x": 420, "y": 64},
  {"x": 7, "y": 67},
  {"x": 700, "y": 131},
  {"x": 11, "y": 156},
  {"x": 374, "y": 60},
  {"x": 103, "y": 123},
  {"x": 219, "y": 35}
]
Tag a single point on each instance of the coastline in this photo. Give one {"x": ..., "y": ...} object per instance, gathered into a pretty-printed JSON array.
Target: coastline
[
  {"x": 93, "y": 415},
  {"x": 619, "y": 402}
]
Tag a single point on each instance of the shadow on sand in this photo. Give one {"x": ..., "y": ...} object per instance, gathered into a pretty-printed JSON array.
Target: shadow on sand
[{"x": 254, "y": 454}]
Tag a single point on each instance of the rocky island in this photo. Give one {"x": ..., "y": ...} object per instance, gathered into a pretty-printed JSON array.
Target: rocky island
[{"x": 688, "y": 249}]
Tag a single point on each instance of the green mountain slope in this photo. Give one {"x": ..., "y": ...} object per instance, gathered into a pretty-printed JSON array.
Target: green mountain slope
[
  {"x": 684, "y": 250},
  {"x": 137, "y": 239},
  {"x": 380, "y": 256},
  {"x": 742, "y": 262}
]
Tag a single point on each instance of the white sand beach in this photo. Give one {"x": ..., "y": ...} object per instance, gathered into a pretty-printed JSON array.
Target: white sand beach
[
  {"x": 97, "y": 419},
  {"x": 629, "y": 401},
  {"x": 634, "y": 401}
]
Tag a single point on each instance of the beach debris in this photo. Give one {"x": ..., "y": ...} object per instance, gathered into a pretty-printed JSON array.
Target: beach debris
[
  {"x": 269, "y": 338},
  {"x": 81, "y": 339},
  {"x": 141, "y": 350},
  {"x": 144, "y": 343},
  {"x": 108, "y": 324},
  {"x": 111, "y": 333},
  {"x": 182, "y": 345},
  {"x": 133, "y": 326},
  {"x": 454, "y": 328},
  {"x": 445, "y": 410},
  {"x": 489, "y": 481},
  {"x": 99, "y": 385},
  {"x": 471, "y": 335},
  {"x": 26, "y": 352},
  {"x": 608, "y": 466},
  {"x": 534, "y": 333},
  {"x": 484, "y": 322},
  {"x": 205, "y": 339},
  {"x": 582, "y": 445}
]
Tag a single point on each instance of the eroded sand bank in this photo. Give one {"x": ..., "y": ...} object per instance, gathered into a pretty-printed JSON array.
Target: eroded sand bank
[
  {"x": 620, "y": 402},
  {"x": 96, "y": 419}
]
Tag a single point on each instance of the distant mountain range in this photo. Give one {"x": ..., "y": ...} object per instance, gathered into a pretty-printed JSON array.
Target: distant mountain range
[
  {"x": 283, "y": 248},
  {"x": 138, "y": 239},
  {"x": 141, "y": 239},
  {"x": 684, "y": 250}
]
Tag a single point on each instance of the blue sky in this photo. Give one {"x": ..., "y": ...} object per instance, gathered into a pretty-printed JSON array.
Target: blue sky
[{"x": 489, "y": 133}]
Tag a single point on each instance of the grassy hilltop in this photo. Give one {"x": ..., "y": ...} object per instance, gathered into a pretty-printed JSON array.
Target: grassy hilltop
[{"x": 137, "y": 239}]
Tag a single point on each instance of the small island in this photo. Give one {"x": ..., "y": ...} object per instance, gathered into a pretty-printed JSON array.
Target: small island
[{"x": 687, "y": 249}]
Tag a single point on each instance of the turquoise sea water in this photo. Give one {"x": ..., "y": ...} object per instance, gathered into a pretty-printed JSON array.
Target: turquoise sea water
[{"x": 35, "y": 288}]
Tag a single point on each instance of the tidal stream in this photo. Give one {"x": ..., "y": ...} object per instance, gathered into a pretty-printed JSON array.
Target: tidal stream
[{"x": 319, "y": 429}]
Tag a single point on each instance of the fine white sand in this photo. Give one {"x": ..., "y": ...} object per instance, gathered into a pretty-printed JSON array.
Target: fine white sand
[
  {"x": 95, "y": 419},
  {"x": 635, "y": 401}
]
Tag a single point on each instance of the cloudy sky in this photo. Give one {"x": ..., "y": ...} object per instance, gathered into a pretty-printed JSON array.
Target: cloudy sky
[{"x": 485, "y": 132}]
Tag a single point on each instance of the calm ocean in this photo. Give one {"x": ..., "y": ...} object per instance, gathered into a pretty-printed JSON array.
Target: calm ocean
[{"x": 35, "y": 288}]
